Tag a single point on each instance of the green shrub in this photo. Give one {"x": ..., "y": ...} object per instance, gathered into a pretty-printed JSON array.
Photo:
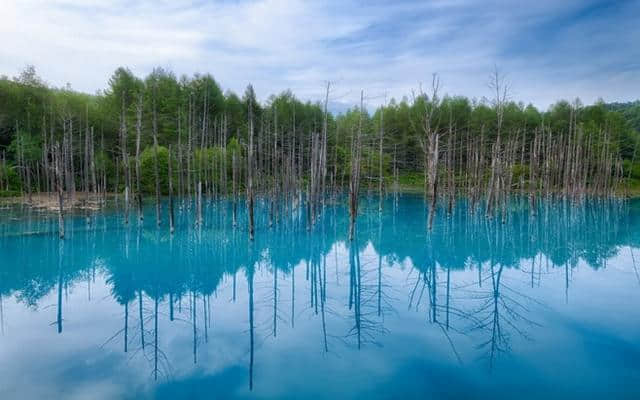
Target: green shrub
[
  {"x": 10, "y": 174},
  {"x": 412, "y": 179},
  {"x": 9, "y": 193},
  {"x": 147, "y": 170},
  {"x": 520, "y": 171},
  {"x": 634, "y": 168}
]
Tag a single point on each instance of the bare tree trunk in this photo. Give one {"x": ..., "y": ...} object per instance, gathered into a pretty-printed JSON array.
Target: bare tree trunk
[
  {"x": 117, "y": 182},
  {"x": 180, "y": 156},
  {"x": 189, "y": 146},
  {"x": 199, "y": 203},
  {"x": 4, "y": 181},
  {"x": 125, "y": 160},
  {"x": 250, "y": 171},
  {"x": 223, "y": 170},
  {"x": 51, "y": 171},
  {"x": 104, "y": 171},
  {"x": 323, "y": 153},
  {"x": 433, "y": 175},
  {"x": 45, "y": 157},
  {"x": 354, "y": 187},
  {"x": 533, "y": 173},
  {"x": 93, "y": 165},
  {"x": 71, "y": 163},
  {"x": 155, "y": 157},
  {"x": 274, "y": 190},
  {"x": 335, "y": 161},
  {"x": 201, "y": 165},
  {"x": 380, "y": 172},
  {"x": 58, "y": 166},
  {"x": 430, "y": 147},
  {"x": 395, "y": 173},
  {"x": 139, "y": 106},
  {"x": 234, "y": 183},
  {"x": 171, "y": 225},
  {"x": 629, "y": 174},
  {"x": 450, "y": 165},
  {"x": 86, "y": 157}
]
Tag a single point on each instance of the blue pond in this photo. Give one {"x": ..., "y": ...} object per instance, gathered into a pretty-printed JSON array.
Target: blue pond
[{"x": 546, "y": 304}]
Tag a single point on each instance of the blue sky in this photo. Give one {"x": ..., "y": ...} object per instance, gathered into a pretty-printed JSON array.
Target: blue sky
[{"x": 548, "y": 50}]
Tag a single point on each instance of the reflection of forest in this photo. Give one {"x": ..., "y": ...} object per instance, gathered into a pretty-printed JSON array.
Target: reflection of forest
[
  {"x": 154, "y": 262},
  {"x": 146, "y": 267}
]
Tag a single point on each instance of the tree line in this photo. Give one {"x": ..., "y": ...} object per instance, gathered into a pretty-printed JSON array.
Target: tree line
[{"x": 185, "y": 136}]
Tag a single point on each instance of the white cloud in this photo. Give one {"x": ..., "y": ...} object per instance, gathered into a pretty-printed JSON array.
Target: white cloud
[{"x": 280, "y": 44}]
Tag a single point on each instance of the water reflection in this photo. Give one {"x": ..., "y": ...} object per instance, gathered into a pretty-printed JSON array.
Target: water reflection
[{"x": 478, "y": 285}]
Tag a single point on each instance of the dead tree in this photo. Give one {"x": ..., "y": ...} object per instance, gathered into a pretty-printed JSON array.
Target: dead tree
[
  {"x": 125, "y": 160},
  {"x": 45, "y": 157},
  {"x": 430, "y": 144},
  {"x": 250, "y": 166},
  {"x": 380, "y": 171},
  {"x": 201, "y": 161},
  {"x": 171, "y": 226},
  {"x": 94, "y": 183},
  {"x": 354, "y": 185},
  {"x": 323, "y": 152},
  {"x": 139, "y": 106},
  {"x": 501, "y": 89},
  {"x": 155, "y": 156},
  {"x": 180, "y": 156},
  {"x": 86, "y": 156},
  {"x": 71, "y": 164},
  {"x": 59, "y": 183},
  {"x": 4, "y": 179},
  {"x": 234, "y": 183}
]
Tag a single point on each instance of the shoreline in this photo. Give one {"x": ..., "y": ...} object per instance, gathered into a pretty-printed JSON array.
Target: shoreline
[{"x": 47, "y": 201}]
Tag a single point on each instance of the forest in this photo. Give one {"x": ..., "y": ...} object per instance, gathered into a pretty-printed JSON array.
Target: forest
[{"x": 185, "y": 136}]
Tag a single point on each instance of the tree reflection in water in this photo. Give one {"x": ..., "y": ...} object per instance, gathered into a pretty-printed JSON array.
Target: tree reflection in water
[{"x": 151, "y": 274}]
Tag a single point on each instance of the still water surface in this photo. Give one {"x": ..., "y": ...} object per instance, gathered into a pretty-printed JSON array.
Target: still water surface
[{"x": 545, "y": 305}]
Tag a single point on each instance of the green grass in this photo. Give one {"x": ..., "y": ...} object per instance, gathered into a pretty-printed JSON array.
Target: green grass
[
  {"x": 9, "y": 193},
  {"x": 633, "y": 188}
]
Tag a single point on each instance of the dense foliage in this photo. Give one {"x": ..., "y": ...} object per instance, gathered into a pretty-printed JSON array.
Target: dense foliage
[
  {"x": 630, "y": 111},
  {"x": 194, "y": 113}
]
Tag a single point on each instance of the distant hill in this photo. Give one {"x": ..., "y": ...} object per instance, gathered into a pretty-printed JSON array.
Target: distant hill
[{"x": 630, "y": 111}]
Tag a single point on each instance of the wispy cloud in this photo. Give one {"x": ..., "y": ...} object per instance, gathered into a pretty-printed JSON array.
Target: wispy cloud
[{"x": 549, "y": 49}]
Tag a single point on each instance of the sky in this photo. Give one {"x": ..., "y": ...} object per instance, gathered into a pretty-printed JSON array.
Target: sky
[{"x": 546, "y": 49}]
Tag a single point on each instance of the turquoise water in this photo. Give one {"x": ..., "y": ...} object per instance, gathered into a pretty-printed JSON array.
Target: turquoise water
[{"x": 544, "y": 305}]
